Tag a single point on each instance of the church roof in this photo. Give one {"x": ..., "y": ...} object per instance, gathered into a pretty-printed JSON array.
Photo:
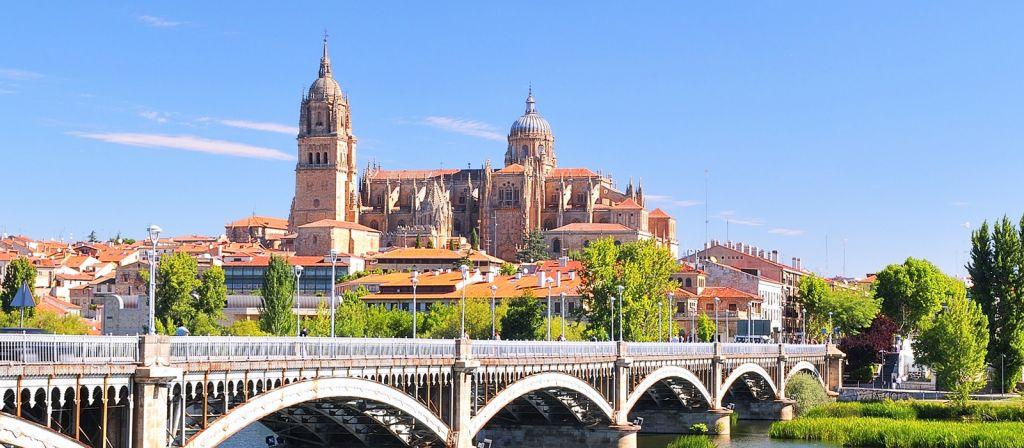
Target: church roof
[
  {"x": 325, "y": 87},
  {"x": 412, "y": 174},
  {"x": 629, "y": 203},
  {"x": 573, "y": 172},
  {"x": 659, "y": 213},
  {"x": 338, "y": 224},
  {"x": 511, "y": 169},
  {"x": 260, "y": 221},
  {"x": 530, "y": 122},
  {"x": 593, "y": 227}
]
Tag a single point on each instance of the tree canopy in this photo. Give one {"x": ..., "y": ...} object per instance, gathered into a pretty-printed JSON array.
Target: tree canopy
[
  {"x": 953, "y": 344},
  {"x": 534, "y": 248},
  {"x": 913, "y": 292},
  {"x": 524, "y": 319},
  {"x": 18, "y": 272},
  {"x": 278, "y": 291},
  {"x": 851, "y": 310}
]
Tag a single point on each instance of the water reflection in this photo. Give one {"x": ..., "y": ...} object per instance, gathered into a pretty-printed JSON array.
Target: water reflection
[{"x": 746, "y": 434}]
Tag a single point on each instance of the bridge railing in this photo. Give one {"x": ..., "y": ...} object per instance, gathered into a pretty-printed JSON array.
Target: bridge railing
[
  {"x": 805, "y": 349},
  {"x": 541, "y": 349},
  {"x": 670, "y": 349},
  {"x": 750, "y": 349},
  {"x": 218, "y": 348},
  {"x": 65, "y": 349}
]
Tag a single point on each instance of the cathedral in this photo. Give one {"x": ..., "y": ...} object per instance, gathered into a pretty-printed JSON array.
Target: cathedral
[{"x": 446, "y": 207}]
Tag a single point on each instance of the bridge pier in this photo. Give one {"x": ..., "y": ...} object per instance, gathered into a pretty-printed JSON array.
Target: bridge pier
[
  {"x": 673, "y": 421},
  {"x": 462, "y": 382},
  {"x": 546, "y": 436},
  {"x": 151, "y": 392}
]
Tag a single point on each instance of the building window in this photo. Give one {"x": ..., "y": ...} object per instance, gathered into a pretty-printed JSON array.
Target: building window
[
  {"x": 526, "y": 151},
  {"x": 314, "y": 240},
  {"x": 540, "y": 148},
  {"x": 316, "y": 203},
  {"x": 317, "y": 158},
  {"x": 689, "y": 283},
  {"x": 310, "y": 158},
  {"x": 556, "y": 246}
]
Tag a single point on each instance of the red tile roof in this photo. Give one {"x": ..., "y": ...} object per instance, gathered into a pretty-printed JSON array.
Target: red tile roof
[
  {"x": 725, "y": 292},
  {"x": 628, "y": 204},
  {"x": 659, "y": 213},
  {"x": 260, "y": 221},
  {"x": 412, "y": 174},
  {"x": 573, "y": 172},
  {"x": 593, "y": 227},
  {"x": 511, "y": 169},
  {"x": 338, "y": 224}
]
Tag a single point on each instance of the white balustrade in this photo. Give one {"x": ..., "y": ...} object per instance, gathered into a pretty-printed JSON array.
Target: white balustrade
[
  {"x": 541, "y": 349},
  {"x": 749, "y": 349},
  {"x": 805, "y": 349},
  {"x": 220, "y": 348},
  {"x": 670, "y": 349},
  {"x": 64, "y": 349}
]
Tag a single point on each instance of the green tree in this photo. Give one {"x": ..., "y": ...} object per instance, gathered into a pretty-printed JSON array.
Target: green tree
[
  {"x": 176, "y": 281},
  {"x": 508, "y": 269},
  {"x": 47, "y": 320},
  {"x": 430, "y": 243},
  {"x": 953, "y": 345},
  {"x": 574, "y": 331},
  {"x": 534, "y": 248},
  {"x": 350, "y": 317},
  {"x": 851, "y": 311},
  {"x": 276, "y": 315},
  {"x": 245, "y": 328},
  {"x": 18, "y": 272},
  {"x": 92, "y": 238},
  {"x": 806, "y": 391},
  {"x": 524, "y": 319},
  {"x": 417, "y": 244},
  {"x": 212, "y": 292},
  {"x": 705, "y": 328},
  {"x": 320, "y": 324},
  {"x": 445, "y": 321},
  {"x": 474, "y": 240},
  {"x": 913, "y": 292}
]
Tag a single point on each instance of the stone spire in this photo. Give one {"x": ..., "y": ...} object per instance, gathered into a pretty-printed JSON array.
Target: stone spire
[
  {"x": 325, "y": 61},
  {"x": 531, "y": 104}
]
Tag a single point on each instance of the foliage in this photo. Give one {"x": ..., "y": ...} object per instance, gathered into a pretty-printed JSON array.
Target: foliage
[
  {"x": 699, "y": 428},
  {"x": 533, "y": 247},
  {"x": 276, "y": 315},
  {"x": 574, "y": 331},
  {"x": 862, "y": 350},
  {"x": 46, "y": 320},
  {"x": 320, "y": 324},
  {"x": 245, "y": 328},
  {"x": 213, "y": 293},
  {"x": 851, "y": 311},
  {"x": 92, "y": 238},
  {"x": 18, "y": 271},
  {"x": 807, "y": 391},
  {"x": 508, "y": 269},
  {"x": 350, "y": 317},
  {"x": 474, "y": 240},
  {"x": 177, "y": 278},
  {"x": 705, "y": 328},
  {"x": 997, "y": 275},
  {"x": 643, "y": 270},
  {"x": 444, "y": 321},
  {"x": 384, "y": 323},
  {"x": 954, "y": 345},
  {"x": 692, "y": 441},
  {"x": 924, "y": 410},
  {"x": 417, "y": 244},
  {"x": 524, "y": 319},
  {"x": 881, "y": 432},
  {"x": 913, "y": 292}
]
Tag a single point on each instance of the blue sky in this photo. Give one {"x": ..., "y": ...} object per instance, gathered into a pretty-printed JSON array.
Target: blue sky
[{"x": 889, "y": 126}]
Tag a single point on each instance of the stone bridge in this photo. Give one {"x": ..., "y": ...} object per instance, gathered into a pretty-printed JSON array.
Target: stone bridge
[{"x": 194, "y": 392}]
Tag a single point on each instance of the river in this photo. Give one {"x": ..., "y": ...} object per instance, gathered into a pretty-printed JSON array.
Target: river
[{"x": 746, "y": 434}]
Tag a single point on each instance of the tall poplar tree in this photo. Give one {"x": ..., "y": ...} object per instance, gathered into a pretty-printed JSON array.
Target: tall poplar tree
[
  {"x": 997, "y": 273},
  {"x": 278, "y": 294}
]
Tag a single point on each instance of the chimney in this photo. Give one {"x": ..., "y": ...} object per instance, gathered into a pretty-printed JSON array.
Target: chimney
[
  {"x": 760, "y": 253},
  {"x": 558, "y": 279},
  {"x": 542, "y": 277},
  {"x": 572, "y": 275},
  {"x": 563, "y": 261},
  {"x": 774, "y": 256},
  {"x": 794, "y": 262}
]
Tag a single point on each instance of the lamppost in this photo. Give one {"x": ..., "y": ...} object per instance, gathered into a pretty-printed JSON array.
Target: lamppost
[
  {"x": 693, "y": 319},
  {"x": 334, "y": 303},
  {"x": 494, "y": 330},
  {"x": 622, "y": 321},
  {"x": 1002, "y": 379},
  {"x": 718, "y": 337},
  {"x": 298, "y": 324},
  {"x": 154, "y": 235},
  {"x": 611, "y": 317},
  {"x": 750, "y": 321},
  {"x": 803, "y": 324},
  {"x": 548, "y": 281},
  {"x": 415, "y": 281},
  {"x": 465, "y": 281},
  {"x": 562, "y": 296},
  {"x": 829, "y": 327},
  {"x": 668, "y": 316},
  {"x": 726, "y": 324}
]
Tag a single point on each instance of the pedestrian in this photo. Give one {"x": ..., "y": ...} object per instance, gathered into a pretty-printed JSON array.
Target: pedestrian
[
  {"x": 182, "y": 331},
  {"x": 304, "y": 332}
]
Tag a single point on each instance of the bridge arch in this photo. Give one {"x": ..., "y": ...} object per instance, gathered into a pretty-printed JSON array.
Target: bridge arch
[
  {"x": 665, "y": 373},
  {"x": 299, "y": 392},
  {"x": 549, "y": 380},
  {"x": 25, "y": 434},
  {"x": 805, "y": 366},
  {"x": 748, "y": 368}
]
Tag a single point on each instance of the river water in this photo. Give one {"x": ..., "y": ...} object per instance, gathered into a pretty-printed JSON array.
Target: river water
[{"x": 746, "y": 434}]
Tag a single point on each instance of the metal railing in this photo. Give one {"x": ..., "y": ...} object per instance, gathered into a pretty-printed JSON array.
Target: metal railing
[
  {"x": 541, "y": 349},
  {"x": 63, "y": 349},
  {"x": 670, "y": 349},
  {"x": 218, "y": 348},
  {"x": 754, "y": 349},
  {"x": 805, "y": 349}
]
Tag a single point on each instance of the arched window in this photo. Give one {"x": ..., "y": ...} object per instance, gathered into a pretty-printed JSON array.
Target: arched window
[
  {"x": 549, "y": 224},
  {"x": 316, "y": 203},
  {"x": 689, "y": 283},
  {"x": 325, "y": 158},
  {"x": 310, "y": 158},
  {"x": 319, "y": 118},
  {"x": 314, "y": 240},
  {"x": 526, "y": 151},
  {"x": 540, "y": 149},
  {"x": 556, "y": 246},
  {"x": 317, "y": 158}
]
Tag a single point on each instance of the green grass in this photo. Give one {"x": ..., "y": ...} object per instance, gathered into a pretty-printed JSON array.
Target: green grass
[
  {"x": 890, "y": 433},
  {"x": 923, "y": 410},
  {"x": 692, "y": 442}
]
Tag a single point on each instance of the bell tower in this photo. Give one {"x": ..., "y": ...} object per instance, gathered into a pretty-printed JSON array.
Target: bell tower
[{"x": 325, "y": 174}]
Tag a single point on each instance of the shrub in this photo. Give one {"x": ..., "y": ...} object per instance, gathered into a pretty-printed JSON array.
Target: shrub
[
  {"x": 807, "y": 392},
  {"x": 692, "y": 442},
  {"x": 698, "y": 428}
]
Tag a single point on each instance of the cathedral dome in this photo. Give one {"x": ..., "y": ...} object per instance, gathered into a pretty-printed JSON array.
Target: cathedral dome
[
  {"x": 531, "y": 122},
  {"x": 324, "y": 88}
]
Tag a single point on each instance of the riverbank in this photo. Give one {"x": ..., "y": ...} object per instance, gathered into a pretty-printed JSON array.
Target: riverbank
[{"x": 910, "y": 424}]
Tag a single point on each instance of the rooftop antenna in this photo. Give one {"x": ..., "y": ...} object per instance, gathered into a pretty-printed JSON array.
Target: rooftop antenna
[
  {"x": 826, "y": 254},
  {"x": 844, "y": 257},
  {"x": 707, "y": 221}
]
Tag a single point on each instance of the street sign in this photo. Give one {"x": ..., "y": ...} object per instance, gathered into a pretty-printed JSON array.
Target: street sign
[{"x": 23, "y": 298}]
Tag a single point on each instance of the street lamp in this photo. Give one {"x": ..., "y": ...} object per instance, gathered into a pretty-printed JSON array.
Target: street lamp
[
  {"x": 298, "y": 324},
  {"x": 611, "y": 317},
  {"x": 803, "y": 324},
  {"x": 622, "y": 322},
  {"x": 548, "y": 281},
  {"x": 494, "y": 329},
  {"x": 334, "y": 304},
  {"x": 154, "y": 235},
  {"x": 829, "y": 327},
  {"x": 717, "y": 334},
  {"x": 465, "y": 281},
  {"x": 668, "y": 316},
  {"x": 415, "y": 281},
  {"x": 750, "y": 321},
  {"x": 562, "y": 296}
]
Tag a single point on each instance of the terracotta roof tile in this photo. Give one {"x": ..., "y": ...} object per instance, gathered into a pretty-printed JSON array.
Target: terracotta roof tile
[
  {"x": 573, "y": 172},
  {"x": 593, "y": 227},
  {"x": 412, "y": 174},
  {"x": 659, "y": 213},
  {"x": 511, "y": 169},
  {"x": 260, "y": 221},
  {"x": 628, "y": 204},
  {"x": 338, "y": 224}
]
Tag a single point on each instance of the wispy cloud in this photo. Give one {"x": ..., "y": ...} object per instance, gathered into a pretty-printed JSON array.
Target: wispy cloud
[
  {"x": 472, "y": 128},
  {"x": 959, "y": 204},
  {"x": 7, "y": 92},
  {"x": 19, "y": 75},
  {"x": 189, "y": 143},
  {"x": 158, "y": 22},
  {"x": 673, "y": 201},
  {"x": 260, "y": 126},
  {"x": 786, "y": 232},
  {"x": 730, "y": 215},
  {"x": 153, "y": 115}
]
